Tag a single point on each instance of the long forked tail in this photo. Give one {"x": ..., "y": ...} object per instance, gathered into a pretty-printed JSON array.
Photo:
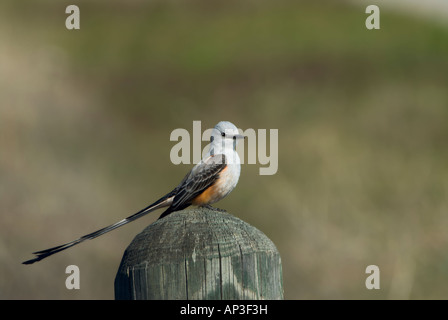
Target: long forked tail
[{"x": 163, "y": 202}]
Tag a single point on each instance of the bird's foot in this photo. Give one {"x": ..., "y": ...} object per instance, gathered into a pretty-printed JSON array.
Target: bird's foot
[{"x": 207, "y": 206}]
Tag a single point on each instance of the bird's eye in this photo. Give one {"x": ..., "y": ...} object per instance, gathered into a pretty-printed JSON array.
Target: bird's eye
[
  {"x": 223, "y": 134},
  {"x": 234, "y": 137}
]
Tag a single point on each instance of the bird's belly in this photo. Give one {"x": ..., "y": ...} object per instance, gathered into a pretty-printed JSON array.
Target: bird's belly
[{"x": 227, "y": 181}]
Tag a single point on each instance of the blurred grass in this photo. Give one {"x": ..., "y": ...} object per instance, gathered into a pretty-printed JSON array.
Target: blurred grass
[{"x": 361, "y": 115}]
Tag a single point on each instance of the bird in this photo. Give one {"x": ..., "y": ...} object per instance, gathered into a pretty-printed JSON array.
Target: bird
[{"x": 210, "y": 180}]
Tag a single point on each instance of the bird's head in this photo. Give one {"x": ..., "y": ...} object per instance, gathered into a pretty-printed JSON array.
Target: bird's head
[{"x": 225, "y": 135}]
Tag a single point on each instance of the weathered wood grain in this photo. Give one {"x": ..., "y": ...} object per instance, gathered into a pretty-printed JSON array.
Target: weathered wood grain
[{"x": 200, "y": 254}]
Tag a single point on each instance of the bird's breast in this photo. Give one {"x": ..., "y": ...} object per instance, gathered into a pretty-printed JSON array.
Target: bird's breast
[{"x": 228, "y": 179}]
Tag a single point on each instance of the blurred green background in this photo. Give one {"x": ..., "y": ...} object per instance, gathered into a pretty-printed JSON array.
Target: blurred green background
[{"x": 86, "y": 117}]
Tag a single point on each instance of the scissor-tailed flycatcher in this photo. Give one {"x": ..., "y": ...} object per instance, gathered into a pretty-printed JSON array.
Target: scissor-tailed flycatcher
[{"x": 208, "y": 182}]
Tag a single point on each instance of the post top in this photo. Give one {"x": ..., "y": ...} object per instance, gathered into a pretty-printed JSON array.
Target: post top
[{"x": 196, "y": 232}]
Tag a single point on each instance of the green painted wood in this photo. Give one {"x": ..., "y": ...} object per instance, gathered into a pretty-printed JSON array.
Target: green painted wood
[{"x": 200, "y": 254}]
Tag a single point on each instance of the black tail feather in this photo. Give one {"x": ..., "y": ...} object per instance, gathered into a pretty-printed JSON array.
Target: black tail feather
[{"x": 40, "y": 255}]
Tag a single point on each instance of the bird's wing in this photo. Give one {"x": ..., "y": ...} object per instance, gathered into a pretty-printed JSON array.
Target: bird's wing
[{"x": 202, "y": 176}]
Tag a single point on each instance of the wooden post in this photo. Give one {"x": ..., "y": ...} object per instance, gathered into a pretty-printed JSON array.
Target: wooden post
[{"x": 200, "y": 254}]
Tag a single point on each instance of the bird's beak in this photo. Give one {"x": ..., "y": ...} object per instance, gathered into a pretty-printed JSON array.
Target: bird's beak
[{"x": 239, "y": 136}]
